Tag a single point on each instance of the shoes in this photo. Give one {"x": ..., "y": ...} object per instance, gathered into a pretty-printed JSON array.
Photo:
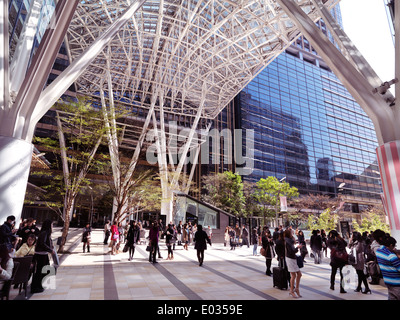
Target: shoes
[
  {"x": 342, "y": 290},
  {"x": 292, "y": 294},
  {"x": 332, "y": 288},
  {"x": 367, "y": 291},
  {"x": 37, "y": 290},
  {"x": 357, "y": 290},
  {"x": 298, "y": 293}
]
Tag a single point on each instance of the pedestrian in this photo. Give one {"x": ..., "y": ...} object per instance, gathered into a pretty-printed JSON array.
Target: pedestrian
[
  {"x": 324, "y": 242},
  {"x": 268, "y": 246},
  {"x": 291, "y": 261},
  {"x": 254, "y": 241},
  {"x": 245, "y": 236},
  {"x": 232, "y": 238},
  {"x": 185, "y": 236},
  {"x": 8, "y": 232},
  {"x": 337, "y": 246},
  {"x": 107, "y": 231},
  {"x": 201, "y": 239},
  {"x": 389, "y": 263},
  {"x": 153, "y": 237},
  {"x": 132, "y": 238},
  {"x": 372, "y": 262},
  {"x": 226, "y": 236},
  {"x": 281, "y": 252},
  {"x": 237, "y": 233},
  {"x": 114, "y": 237},
  {"x": 179, "y": 233},
  {"x": 209, "y": 232},
  {"x": 44, "y": 246},
  {"x": 6, "y": 264},
  {"x": 316, "y": 246},
  {"x": 275, "y": 235},
  {"x": 357, "y": 244},
  {"x": 86, "y": 237},
  {"x": 301, "y": 240},
  {"x": 169, "y": 241}
]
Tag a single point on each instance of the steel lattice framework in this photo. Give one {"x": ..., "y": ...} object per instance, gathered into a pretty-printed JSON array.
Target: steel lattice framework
[{"x": 191, "y": 53}]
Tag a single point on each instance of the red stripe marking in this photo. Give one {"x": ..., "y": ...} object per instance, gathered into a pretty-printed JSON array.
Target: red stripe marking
[{"x": 396, "y": 163}]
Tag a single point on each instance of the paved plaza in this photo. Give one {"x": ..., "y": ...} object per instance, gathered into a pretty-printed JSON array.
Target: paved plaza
[{"x": 225, "y": 275}]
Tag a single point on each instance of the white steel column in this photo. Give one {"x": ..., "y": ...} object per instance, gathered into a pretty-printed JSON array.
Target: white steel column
[
  {"x": 15, "y": 162},
  {"x": 383, "y": 113}
]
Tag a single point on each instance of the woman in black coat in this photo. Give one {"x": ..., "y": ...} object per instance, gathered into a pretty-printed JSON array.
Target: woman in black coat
[
  {"x": 44, "y": 246},
  {"x": 268, "y": 245},
  {"x": 132, "y": 238},
  {"x": 337, "y": 245},
  {"x": 201, "y": 238}
]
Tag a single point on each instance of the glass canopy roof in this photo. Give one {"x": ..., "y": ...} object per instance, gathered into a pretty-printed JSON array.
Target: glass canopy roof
[{"x": 190, "y": 51}]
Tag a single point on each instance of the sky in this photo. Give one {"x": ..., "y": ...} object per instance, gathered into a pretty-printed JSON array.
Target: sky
[{"x": 366, "y": 24}]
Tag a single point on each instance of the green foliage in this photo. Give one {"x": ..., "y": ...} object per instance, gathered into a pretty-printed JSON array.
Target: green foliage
[
  {"x": 225, "y": 190},
  {"x": 326, "y": 220},
  {"x": 268, "y": 192},
  {"x": 371, "y": 223}
]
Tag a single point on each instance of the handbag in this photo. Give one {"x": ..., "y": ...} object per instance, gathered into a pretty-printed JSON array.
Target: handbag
[
  {"x": 263, "y": 252},
  {"x": 340, "y": 256},
  {"x": 300, "y": 261},
  {"x": 126, "y": 247},
  {"x": 352, "y": 258}
]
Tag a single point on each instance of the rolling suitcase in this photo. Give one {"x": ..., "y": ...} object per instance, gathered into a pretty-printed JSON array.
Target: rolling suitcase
[{"x": 280, "y": 276}]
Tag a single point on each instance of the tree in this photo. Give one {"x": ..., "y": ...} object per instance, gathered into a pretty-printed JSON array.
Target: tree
[
  {"x": 307, "y": 205},
  {"x": 326, "y": 221},
  {"x": 80, "y": 134},
  {"x": 374, "y": 218},
  {"x": 225, "y": 190},
  {"x": 268, "y": 192}
]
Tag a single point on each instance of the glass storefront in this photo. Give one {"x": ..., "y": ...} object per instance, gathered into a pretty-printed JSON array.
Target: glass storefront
[{"x": 188, "y": 209}]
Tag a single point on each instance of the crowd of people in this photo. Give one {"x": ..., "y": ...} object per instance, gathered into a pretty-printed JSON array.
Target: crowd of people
[
  {"x": 371, "y": 254},
  {"x": 181, "y": 234},
  {"x": 26, "y": 240}
]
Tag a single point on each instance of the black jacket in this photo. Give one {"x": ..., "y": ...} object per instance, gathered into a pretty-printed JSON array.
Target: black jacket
[
  {"x": 6, "y": 234},
  {"x": 200, "y": 238},
  {"x": 316, "y": 242},
  {"x": 133, "y": 235},
  {"x": 44, "y": 242},
  {"x": 290, "y": 248}
]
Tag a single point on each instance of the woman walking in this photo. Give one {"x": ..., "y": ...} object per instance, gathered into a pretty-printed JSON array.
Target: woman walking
[
  {"x": 358, "y": 245},
  {"x": 86, "y": 236},
  {"x": 254, "y": 241},
  {"x": 291, "y": 261},
  {"x": 132, "y": 238},
  {"x": 169, "y": 241},
  {"x": 316, "y": 246},
  {"x": 153, "y": 237},
  {"x": 185, "y": 236},
  {"x": 114, "y": 238},
  {"x": 201, "y": 239},
  {"x": 268, "y": 246}
]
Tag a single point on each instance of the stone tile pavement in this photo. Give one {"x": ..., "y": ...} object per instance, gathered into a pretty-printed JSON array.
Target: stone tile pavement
[{"x": 230, "y": 275}]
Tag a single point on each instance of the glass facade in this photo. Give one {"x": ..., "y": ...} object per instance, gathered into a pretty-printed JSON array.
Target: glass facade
[
  {"x": 188, "y": 209},
  {"x": 309, "y": 129}
]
